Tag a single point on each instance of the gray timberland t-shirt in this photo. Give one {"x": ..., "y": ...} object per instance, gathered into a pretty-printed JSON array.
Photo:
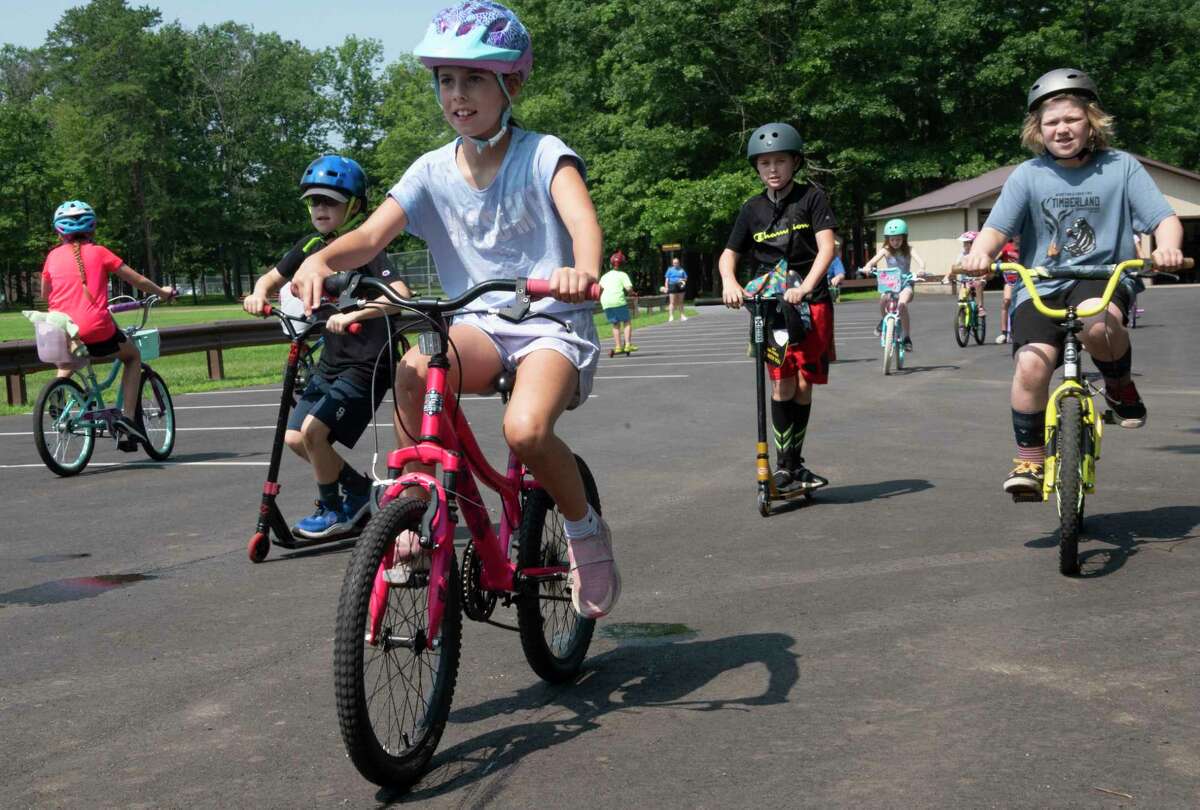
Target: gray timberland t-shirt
[
  {"x": 1084, "y": 215},
  {"x": 509, "y": 229}
]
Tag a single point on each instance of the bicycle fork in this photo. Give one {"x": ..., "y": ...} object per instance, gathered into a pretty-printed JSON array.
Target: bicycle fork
[{"x": 1092, "y": 428}]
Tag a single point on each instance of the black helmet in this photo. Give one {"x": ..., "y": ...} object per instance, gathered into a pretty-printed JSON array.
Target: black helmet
[
  {"x": 1057, "y": 82},
  {"x": 774, "y": 137}
]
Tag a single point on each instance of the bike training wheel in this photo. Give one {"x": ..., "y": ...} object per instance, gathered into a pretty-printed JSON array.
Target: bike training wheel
[
  {"x": 980, "y": 329},
  {"x": 1068, "y": 483},
  {"x": 64, "y": 444},
  {"x": 393, "y": 698},
  {"x": 156, "y": 415},
  {"x": 898, "y": 353},
  {"x": 554, "y": 637},
  {"x": 889, "y": 344},
  {"x": 962, "y": 325}
]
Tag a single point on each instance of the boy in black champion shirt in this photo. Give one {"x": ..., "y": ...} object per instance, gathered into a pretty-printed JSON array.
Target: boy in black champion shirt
[
  {"x": 337, "y": 404},
  {"x": 794, "y": 222}
]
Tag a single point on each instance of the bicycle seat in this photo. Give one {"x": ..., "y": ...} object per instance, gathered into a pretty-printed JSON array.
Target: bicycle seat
[{"x": 502, "y": 385}]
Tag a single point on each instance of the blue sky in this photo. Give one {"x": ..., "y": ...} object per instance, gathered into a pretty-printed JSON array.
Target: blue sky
[{"x": 398, "y": 24}]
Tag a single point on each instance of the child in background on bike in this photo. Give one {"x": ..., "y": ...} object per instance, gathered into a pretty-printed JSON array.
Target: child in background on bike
[
  {"x": 616, "y": 285},
  {"x": 501, "y": 202},
  {"x": 790, "y": 222},
  {"x": 896, "y": 253},
  {"x": 345, "y": 390},
  {"x": 1009, "y": 253},
  {"x": 1078, "y": 202},
  {"x": 975, "y": 286},
  {"x": 75, "y": 281}
]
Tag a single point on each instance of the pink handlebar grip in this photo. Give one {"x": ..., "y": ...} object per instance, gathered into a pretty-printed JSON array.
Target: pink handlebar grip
[
  {"x": 354, "y": 328},
  {"x": 128, "y": 306},
  {"x": 540, "y": 288}
]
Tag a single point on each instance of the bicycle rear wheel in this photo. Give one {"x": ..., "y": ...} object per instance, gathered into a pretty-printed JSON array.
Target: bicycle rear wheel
[
  {"x": 156, "y": 415},
  {"x": 393, "y": 697},
  {"x": 554, "y": 637},
  {"x": 63, "y": 441},
  {"x": 1068, "y": 483},
  {"x": 962, "y": 325},
  {"x": 889, "y": 344}
]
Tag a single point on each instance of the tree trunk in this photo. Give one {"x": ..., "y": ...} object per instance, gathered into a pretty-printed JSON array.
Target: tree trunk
[{"x": 139, "y": 191}]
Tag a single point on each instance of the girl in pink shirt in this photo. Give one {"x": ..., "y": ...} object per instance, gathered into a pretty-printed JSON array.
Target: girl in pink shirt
[{"x": 75, "y": 281}]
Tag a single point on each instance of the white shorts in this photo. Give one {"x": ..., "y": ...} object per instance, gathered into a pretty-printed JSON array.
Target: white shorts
[{"x": 513, "y": 341}]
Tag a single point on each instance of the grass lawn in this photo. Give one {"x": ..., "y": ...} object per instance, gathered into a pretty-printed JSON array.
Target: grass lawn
[{"x": 185, "y": 373}]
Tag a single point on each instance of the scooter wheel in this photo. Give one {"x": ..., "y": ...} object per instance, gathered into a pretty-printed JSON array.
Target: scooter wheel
[
  {"x": 259, "y": 547},
  {"x": 764, "y": 505}
]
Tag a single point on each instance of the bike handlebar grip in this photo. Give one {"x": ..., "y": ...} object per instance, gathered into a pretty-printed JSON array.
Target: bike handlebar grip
[
  {"x": 540, "y": 288},
  {"x": 355, "y": 328},
  {"x": 333, "y": 286},
  {"x": 267, "y": 310},
  {"x": 128, "y": 306},
  {"x": 1188, "y": 264}
]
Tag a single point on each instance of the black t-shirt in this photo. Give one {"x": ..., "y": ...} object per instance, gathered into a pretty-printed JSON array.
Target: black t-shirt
[
  {"x": 350, "y": 356},
  {"x": 766, "y": 231}
]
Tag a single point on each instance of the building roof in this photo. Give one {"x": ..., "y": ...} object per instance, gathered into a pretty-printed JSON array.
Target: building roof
[{"x": 965, "y": 192}]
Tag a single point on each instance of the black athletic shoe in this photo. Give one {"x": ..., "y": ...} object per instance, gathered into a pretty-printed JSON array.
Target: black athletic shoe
[
  {"x": 807, "y": 478},
  {"x": 782, "y": 479},
  {"x": 128, "y": 434},
  {"x": 1126, "y": 403}
]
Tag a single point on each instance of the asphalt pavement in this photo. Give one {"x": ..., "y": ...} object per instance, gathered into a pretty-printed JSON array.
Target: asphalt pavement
[{"x": 904, "y": 640}]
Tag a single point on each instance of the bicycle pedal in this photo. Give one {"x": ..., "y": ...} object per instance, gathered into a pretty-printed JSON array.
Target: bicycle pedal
[
  {"x": 1109, "y": 417},
  {"x": 1026, "y": 497}
]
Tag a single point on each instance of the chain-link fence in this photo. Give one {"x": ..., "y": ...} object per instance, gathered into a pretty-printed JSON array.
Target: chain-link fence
[{"x": 418, "y": 271}]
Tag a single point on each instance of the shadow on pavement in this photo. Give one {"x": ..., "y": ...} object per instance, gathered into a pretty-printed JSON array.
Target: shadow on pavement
[
  {"x": 919, "y": 369},
  {"x": 633, "y": 678},
  {"x": 1182, "y": 449},
  {"x": 1129, "y": 532},
  {"x": 140, "y": 460},
  {"x": 880, "y": 490}
]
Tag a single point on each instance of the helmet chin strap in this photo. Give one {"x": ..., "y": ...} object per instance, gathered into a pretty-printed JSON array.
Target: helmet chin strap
[
  {"x": 505, "y": 117},
  {"x": 349, "y": 225}
]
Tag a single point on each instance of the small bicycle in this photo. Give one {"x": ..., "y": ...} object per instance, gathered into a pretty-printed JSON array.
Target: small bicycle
[
  {"x": 68, "y": 416},
  {"x": 889, "y": 283},
  {"x": 968, "y": 320},
  {"x": 1073, "y": 430},
  {"x": 399, "y": 624},
  {"x": 761, "y": 309}
]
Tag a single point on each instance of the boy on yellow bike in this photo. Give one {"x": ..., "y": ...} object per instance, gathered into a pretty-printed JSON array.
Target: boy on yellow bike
[{"x": 1078, "y": 202}]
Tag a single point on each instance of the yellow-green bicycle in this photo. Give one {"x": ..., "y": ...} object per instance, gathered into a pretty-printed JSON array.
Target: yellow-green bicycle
[{"x": 1073, "y": 429}]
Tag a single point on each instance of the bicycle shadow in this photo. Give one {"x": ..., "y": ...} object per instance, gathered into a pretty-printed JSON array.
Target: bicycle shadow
[
  {"x": 880, "y": 490},
  {"x": 1183, "y": 449},
  {"x": 632, "y": 678},
  {"x": 140, "y": 461},
  {"x": 918, "y": 369},
  {"x": 1129, "y": 533}
]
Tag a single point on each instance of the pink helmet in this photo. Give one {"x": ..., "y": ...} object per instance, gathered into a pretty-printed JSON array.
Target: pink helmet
[
  {"x": 968, "y": 236},
  {"x": 477, "y": 34}
]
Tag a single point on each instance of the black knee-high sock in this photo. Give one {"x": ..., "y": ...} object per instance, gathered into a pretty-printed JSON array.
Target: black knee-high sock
[
  {"x": 799, "y": 417},
  {"x": 781, "y": 421}
]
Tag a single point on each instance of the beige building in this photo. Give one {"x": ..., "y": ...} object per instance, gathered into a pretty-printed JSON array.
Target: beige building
[{"x": 936, "y": 219}]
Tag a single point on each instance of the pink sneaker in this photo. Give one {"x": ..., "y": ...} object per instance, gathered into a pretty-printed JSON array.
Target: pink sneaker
[{"x": 595, "y": 581}]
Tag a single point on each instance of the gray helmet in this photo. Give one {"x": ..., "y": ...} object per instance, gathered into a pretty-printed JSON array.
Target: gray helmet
[
  {"x": 774, "y": 137},
  {"x": 1057, "y": 82}
]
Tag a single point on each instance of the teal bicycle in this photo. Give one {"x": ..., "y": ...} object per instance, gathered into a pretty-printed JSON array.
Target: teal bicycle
[{"x": 69, "y": 415}]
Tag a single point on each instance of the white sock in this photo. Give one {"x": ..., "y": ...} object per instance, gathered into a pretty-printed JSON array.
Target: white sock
[{"x": 586, "y": 526}]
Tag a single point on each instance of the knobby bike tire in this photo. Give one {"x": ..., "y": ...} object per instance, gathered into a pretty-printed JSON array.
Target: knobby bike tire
[
  {"x": 889, "y": 344},
  {"x": 55, "y": 442},
  {"x": 156, "y": 415},
  {"x": 1068, "y": 484},
  {"x": 962, "y": 326},
  {"x": 367, "y": 678},
  {"x": 980, "y": 328},
  {"x": 554, "y": 637}
]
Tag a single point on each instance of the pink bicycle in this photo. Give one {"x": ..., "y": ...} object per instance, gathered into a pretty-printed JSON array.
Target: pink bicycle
[{"x": 399, "y": 622}]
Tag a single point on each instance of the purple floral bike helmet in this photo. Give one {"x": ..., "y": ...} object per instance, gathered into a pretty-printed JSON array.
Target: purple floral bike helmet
[{"x": 479, "y": 34}]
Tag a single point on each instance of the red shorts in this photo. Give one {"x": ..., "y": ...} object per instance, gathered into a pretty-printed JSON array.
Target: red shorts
[{"x": 811, "y": 358}]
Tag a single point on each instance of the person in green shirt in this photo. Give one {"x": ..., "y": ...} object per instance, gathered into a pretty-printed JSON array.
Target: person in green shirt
[{"x": 615, "y": 284}]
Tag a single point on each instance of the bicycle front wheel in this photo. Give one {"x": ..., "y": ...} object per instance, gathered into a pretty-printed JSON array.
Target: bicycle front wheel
[
  {"x": 554, "y": 637},
  {"x": 889, "y": 344},
  {"x": 156, "y": 415},
  {"x": 63, "y": 439},
  {"x": 393, "y": 697},
  {"x": 980, "y": 329},
  {"x": 962, "y": 325},
  {"x": 1068, "y": 483}
]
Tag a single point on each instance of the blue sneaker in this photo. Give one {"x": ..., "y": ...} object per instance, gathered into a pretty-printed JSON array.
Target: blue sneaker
[
  {"x": 356, "y": 507},
  {"x": 322, "y": 523}
]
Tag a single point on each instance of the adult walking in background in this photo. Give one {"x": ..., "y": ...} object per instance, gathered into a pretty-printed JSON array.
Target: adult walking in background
[{"x": 673, "y": 285}]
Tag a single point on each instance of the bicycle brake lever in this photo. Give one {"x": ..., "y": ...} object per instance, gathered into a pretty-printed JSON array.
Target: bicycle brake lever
[{"x": 519, "y": 308}]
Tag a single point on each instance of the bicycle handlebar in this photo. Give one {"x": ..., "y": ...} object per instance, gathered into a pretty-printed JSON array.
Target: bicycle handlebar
[
  {"x": 351, "y": 283},
  {"x": 129, "y": 306},
  {"x": 270, "y": 311}
]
